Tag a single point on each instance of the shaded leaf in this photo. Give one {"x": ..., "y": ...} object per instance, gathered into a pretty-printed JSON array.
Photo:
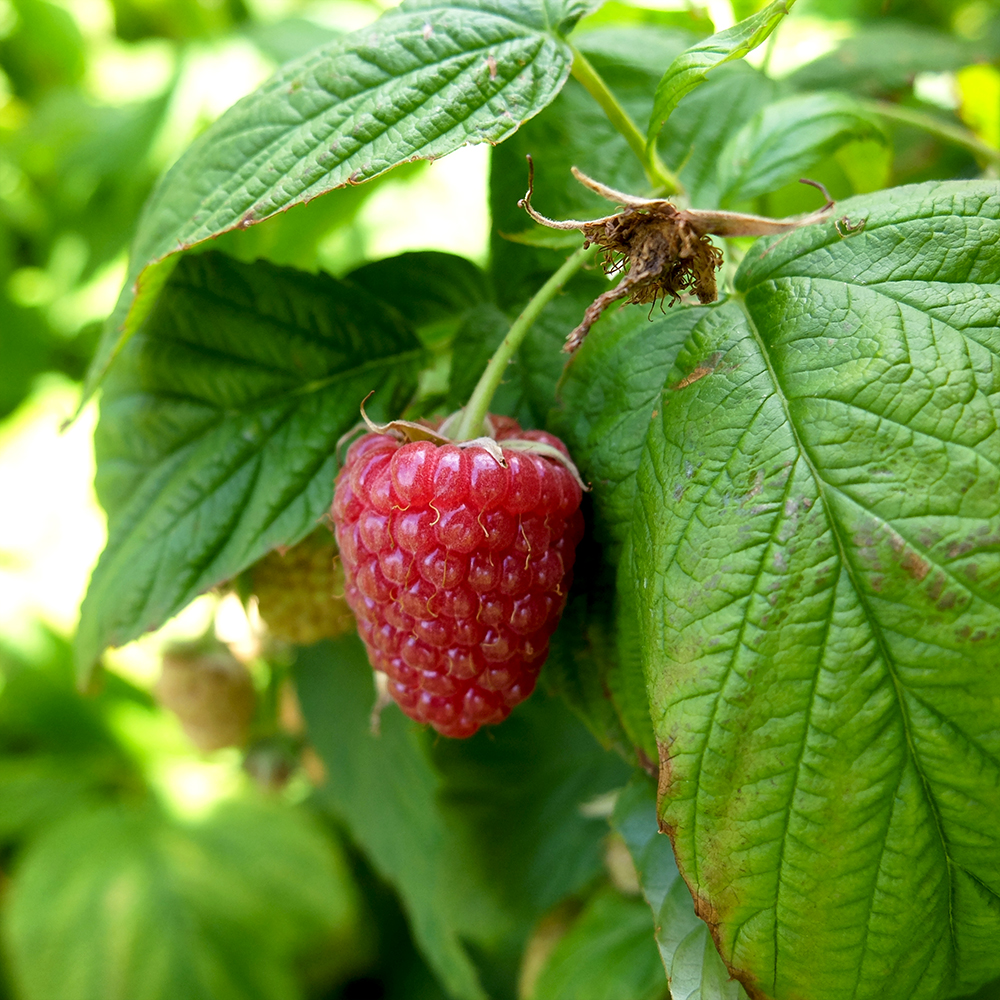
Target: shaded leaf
[
  {"x": 478, "y": 836},
  {"x": 425, "y": 286},
  {"x": 815, "y": 554},
  {"x": 384, "y": 790},
  {"x": 125, "y": 904},
  {"x": 694, "y": 969},
  {"x": 691, "y": 68},
  {"x": 422, "y": 81},
  {"x": 607, "y": 954},
  {"x": 787, "y": 138},
  {"x": 218, "y": 430},
  {"x": 575, "y": 132},
  {"x": 705, "y": 121}
]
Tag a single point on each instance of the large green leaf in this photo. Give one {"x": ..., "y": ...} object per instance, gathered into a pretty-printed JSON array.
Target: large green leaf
[
  {"x": 123, "y": 904},
  {"x": 218, "y": 430},
  {"x": 694, "y": 968},
  {"x": 425, "y": 286},
  {"x": 607, "y": 397},
  {"x": 816, "y": 553},
  {"x": 691, "y": 68},
  {"x": 478, "y": 836},
  {"x": 422, "y": 81},
  {"x": 612, "y": 389}
]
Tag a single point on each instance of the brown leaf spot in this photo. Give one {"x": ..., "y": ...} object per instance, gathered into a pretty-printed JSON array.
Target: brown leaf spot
[
  {"x": 666, "y": 770},
  {"x": 492, "y": 63},
  {"x": 915, "y": 565},
  {"x": 700, "y": 372}
]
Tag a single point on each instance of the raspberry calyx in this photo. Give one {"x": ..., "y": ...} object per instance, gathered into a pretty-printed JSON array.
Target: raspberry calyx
[{"x": 457, "y": 559}]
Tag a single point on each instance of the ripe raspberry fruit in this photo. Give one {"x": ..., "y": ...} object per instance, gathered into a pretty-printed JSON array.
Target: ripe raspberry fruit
[{"x": 457, "y": 566}]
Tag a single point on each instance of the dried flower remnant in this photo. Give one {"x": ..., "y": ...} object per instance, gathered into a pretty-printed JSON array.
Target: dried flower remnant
[{"x": 663, "y": 250}]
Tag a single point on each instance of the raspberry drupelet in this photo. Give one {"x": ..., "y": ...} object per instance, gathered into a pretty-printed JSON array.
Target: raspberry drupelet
[{"x": 457, "y": 568}]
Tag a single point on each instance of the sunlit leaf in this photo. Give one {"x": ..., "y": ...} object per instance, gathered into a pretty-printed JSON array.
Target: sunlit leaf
[
  {"x": 218, "y": 431},
  {"x": 425, "y": 79},
  {"x": 691, "y": 68}
]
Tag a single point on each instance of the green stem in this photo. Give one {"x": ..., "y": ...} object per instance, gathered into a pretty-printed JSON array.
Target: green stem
[
  {"x": 660, "y": 176},
  {"x": 934, "y": 125},
  {"x": 471, "y": 424}
]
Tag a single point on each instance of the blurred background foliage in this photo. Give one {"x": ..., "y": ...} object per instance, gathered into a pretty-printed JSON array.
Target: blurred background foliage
[{"x": 146, "y": 853}]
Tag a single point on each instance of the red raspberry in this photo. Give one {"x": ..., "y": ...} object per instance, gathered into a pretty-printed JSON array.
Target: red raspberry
[{"x": 457, "y": 568}]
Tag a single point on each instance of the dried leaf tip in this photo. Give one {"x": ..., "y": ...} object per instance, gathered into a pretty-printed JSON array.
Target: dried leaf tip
[{"x": 662, "y": 250}]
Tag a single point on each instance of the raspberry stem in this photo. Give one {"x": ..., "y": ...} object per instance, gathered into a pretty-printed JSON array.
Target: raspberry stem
[
  {"x": 471, "y": 424},
  {"x": 660, "y": 176}
]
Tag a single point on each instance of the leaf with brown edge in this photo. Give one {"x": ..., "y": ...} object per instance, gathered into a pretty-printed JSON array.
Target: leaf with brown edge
[{"x": 815, "y": 543}]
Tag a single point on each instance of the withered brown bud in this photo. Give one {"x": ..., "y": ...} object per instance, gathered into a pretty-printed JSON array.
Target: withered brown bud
[{"x": 663, "y": 250}]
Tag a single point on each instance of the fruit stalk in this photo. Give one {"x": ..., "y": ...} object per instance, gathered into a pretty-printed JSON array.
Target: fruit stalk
[
  {"x": 471, "y": 424},
  {"x": 660, "y": 176}
]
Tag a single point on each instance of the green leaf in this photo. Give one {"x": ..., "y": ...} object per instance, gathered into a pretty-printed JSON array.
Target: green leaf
[
  {"x": 35, "y": 790},
  {"x": 125, "y": 905},
  {"x": 706, "y": 120},
  {"x": 694, "y": 969},
  {"x": 886, "y": 55},
  {"x": 219, "y": 426},
  {"x": 615, "y": 12},
  {"x": 425, "y": 286},
  {"x": 529, "y": 385},
  {"x": 384, "y": 790},
  {"x": 422, "y": 81},
  {"x": 691, "y": 68},
  {"x": 581, "y": 657},
  {"x": 607, "y": 954},
  {"x": 787, "y": 138},
  {"x": 815, "y": 548},
  {"x": 608, "y": 396},
  {"x": 478, "y": 836}
]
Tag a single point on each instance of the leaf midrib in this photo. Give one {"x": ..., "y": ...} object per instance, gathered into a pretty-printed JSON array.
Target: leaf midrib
[{"x": 873, "y": 623}]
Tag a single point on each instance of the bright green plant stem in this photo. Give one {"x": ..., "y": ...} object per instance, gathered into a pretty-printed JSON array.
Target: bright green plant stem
[
  {"x": 660, "y": 176},
  {"x": 471, "y": 424},
  {"x": 930, "y": 123}
]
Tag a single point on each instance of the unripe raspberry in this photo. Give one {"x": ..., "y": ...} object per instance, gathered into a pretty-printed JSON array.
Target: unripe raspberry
[
  {"x": 457, "y": 568},
  {"x": 300, "y": 592},
  {"x": 211, "y": 693}
]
